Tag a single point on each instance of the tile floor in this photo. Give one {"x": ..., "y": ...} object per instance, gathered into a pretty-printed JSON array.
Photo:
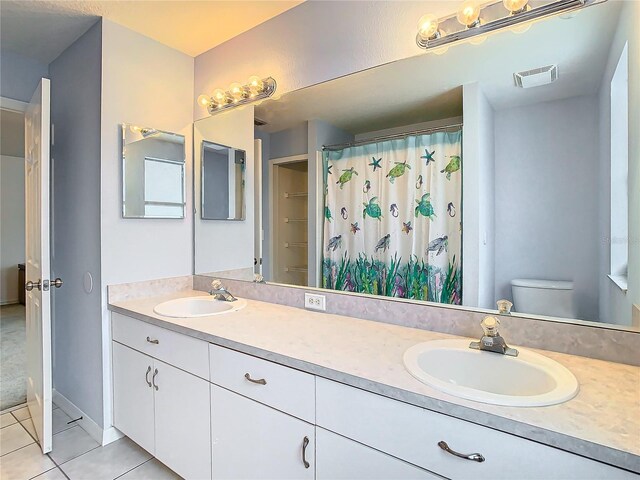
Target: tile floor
[{"x": 75, "y": 455}]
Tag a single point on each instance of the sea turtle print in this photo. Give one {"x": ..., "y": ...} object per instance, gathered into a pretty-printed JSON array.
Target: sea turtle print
[
  {"x": 424, "y": 207},
  {"x": 398, "y": 170},
  {"x": 372, "y": 209},
  {"x": 438, "y": 245},
  {"x": 383, "y": 243},
  {"x": 428, "y": 157},
  {"x": 327, "y": 214},
  {"x": 346, "y": 176},
  {"x": 375, "y": 163},
  {"x": 452, "y": 166},
  {"x": 334, "y": 243}
]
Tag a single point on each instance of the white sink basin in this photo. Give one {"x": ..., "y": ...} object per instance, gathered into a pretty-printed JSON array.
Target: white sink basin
[
  {"x": 190, "y": 307},
  {"x": 528, "y": 380}
]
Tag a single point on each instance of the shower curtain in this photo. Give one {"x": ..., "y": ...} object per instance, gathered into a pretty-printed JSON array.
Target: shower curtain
[{"x": 393, "y": 223}]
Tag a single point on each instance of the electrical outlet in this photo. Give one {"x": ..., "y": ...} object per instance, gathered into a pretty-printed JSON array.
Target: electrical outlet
[{"x": 314, "y": 301}]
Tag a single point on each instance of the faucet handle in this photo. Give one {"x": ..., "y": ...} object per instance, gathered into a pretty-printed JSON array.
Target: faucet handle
[
  {"x": 504, "y": 307},
  {"x": 216, "y": 284},
  {"x": 490, "y": 326}
]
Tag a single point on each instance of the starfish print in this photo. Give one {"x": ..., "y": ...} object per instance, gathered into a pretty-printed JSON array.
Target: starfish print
[
  {"x": 428, "y": 156},
  {"x": 375, "y": 163}
]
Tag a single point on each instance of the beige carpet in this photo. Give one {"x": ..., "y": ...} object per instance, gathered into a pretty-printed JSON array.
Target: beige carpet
[{"x": 13, "y": 378}]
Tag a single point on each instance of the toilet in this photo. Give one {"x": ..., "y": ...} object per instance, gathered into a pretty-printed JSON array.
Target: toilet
[{"x": 553, "y": 298}]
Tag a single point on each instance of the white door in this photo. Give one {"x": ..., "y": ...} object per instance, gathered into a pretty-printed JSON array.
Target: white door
[
  {"x": 133, "y": 395},
  {"x": 183, "y": 425},
  {"x": 257, "y": 193},
  {"x": 253, "y": 441},
  {"x": 38, "y": 295},
  {"x": 339, "y": 458}
]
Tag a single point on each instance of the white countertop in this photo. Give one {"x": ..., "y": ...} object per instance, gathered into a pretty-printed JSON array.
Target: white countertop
[{"x": 601, "y": 422}]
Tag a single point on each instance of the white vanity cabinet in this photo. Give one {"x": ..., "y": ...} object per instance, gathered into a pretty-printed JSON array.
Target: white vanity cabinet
[
  {"x": 254, "y": 441},
  {"x": 162, "y": 408}
]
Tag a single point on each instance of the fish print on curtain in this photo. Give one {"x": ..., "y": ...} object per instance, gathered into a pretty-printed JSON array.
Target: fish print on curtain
[{"x": 392, "y": 221}]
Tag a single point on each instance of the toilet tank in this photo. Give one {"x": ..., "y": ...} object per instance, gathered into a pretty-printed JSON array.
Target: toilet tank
[{"x": 552, "y": 298}]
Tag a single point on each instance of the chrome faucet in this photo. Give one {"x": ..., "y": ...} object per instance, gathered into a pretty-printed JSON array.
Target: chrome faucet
[
  {"x": 221, "y": 293},
  {"x": 492, "y": 341}
]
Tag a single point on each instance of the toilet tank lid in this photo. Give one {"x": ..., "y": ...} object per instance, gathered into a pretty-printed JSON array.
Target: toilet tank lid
[{"x": 548, "y": 284}]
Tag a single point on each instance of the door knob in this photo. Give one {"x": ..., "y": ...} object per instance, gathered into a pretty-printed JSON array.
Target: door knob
[
  {"x": 30, "y": 285},
  {"x": 56, "y": 283}
]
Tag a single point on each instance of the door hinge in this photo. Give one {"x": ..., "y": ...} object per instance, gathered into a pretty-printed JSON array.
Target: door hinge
[{"x": 53, "y": 134}]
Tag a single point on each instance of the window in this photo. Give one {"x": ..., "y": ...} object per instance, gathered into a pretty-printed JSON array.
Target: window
[
  {"x": 619, "y": 237},
  {"x": 163, "y": 188}
]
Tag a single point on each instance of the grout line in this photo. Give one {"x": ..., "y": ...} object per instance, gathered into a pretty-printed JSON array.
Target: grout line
[
  {"x": 134, "y": 468},
  {"x": 57, "y": 466},
  {"x": 28, "y": 432},
  {"x": 11, "y": 409},
  {"x": 13, "y": 451}
]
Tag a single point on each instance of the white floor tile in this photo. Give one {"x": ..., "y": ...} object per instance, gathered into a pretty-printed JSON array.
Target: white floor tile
[
  {"x": 21, "y": 414},
  {"x": 29, "y": 427},
  {"x": 12, "y": 438},
  {"x": 70, "y": 444},
  {"x": 151, "y": 470},
  {"x": 106, "y": 463},
  {"x": 53, "y": 474},
  {"x": 25, "y": 463},
  {"x": 7, "y": 419},
  {"x": 60, "y": 421}
]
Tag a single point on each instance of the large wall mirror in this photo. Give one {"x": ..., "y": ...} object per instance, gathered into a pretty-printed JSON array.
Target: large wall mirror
[
  {"x": 153, "y": 173},
  {"x": 494, "y": 169}
]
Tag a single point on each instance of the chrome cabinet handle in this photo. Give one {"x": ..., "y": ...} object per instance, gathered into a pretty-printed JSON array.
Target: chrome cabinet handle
[
  {"x": 30, "y": 285},
  {"x": 475, "y": 457},
  {"x": 305, "y": 444},
  {"x": 260, "y": 381},
  {"x": 155, "y": 341},
  {"x": 146, "y": 377},
  {"x": 153, "y": 379}
]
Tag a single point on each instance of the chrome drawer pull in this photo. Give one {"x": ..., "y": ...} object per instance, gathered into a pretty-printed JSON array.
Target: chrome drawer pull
[
  {"x": 261, "y": 381},
  {"x": 155, "y": 341},
  {"x": 476, "y": 457},
  {"x": 305, "y": 444},
  {"x": 146, "y": 377},
  {"x": 153, "y": 379}
]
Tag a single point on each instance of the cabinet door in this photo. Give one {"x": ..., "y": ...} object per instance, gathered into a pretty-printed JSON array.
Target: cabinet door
[
  {"x": 339, "y": 458},
  {"x": 183, "y": 424},
  {"x": 253, "y": 441},
  {"x": 133, "y": 395}
]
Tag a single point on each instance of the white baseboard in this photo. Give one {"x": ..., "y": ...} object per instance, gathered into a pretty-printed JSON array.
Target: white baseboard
[
  {"x": 9, "y": 302},
  {"x": 100, "y": 435}
]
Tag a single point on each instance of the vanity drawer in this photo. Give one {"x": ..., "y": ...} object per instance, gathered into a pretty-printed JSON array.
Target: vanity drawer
[
  {"x": 280, "y": 387},
  {"x": 182, "y": 351},
  {"x": 412, "y": 434}
]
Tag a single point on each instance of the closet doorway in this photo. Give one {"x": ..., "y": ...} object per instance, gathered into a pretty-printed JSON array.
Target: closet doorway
[{"x": 289, "y": 207}]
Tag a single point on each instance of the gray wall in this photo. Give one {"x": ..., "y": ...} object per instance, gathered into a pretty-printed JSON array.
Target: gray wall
[
  {"x": 19, "y": 75},
  {"x": 547, "y": 197},
  {"x": 75, "y": 112}
]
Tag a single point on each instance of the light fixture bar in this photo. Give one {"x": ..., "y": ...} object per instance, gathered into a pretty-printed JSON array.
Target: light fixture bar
[
  {"x": 241, "y": 95},
  {"x": 506, "y": 20}
]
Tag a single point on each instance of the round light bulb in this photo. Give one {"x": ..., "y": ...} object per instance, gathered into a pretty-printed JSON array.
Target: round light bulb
[
  {"x": 469, "y": 13},
  {"x": 219, "y": 96},
  {"x": 428, "y": 26},
  {"x": 515, "y": 6},
  {"x": 256, "y": 85},
  {"x": 203, "y": 100},
  {"x": 236, "y": 91}
]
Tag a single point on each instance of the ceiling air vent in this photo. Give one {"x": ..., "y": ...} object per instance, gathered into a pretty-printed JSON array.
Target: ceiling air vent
[
  {"x": 258, "y": 122},
  {"x": 536, "y": 77}
]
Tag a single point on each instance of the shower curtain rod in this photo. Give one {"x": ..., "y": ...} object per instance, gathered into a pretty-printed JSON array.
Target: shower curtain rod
[{"x": 340, "y": 146}]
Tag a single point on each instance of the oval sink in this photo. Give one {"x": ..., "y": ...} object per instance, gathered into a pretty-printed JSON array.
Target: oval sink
[
  {"x": 528, "y": 380},
  {"x": 190, "y": 307}
]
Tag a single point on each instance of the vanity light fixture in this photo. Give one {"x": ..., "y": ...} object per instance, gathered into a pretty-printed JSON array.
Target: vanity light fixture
[
  {"x": 255, "y": 89},
  {"x": 474, "y": 18}
]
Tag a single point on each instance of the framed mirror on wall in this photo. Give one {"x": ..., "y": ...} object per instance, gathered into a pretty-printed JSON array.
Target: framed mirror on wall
[
  {"x": 153, "y": 173},
  {"x": 489, "y": 170}
]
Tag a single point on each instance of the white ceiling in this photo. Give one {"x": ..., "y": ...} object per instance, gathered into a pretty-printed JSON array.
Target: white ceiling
[
  {"x": 43, "y": 29},
  {"x": 427, "y": 87}
]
